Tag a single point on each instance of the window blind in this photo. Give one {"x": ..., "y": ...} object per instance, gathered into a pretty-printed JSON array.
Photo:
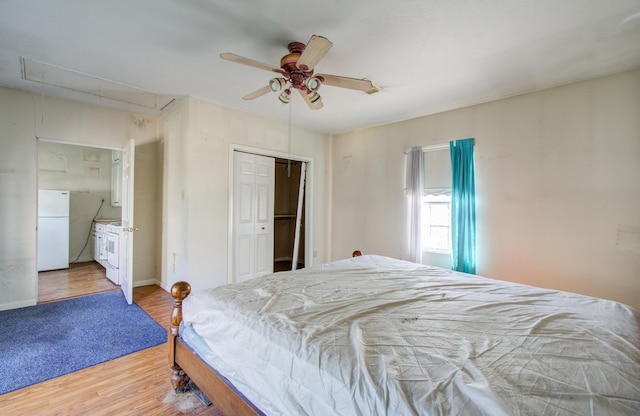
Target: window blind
[{"x": 437, "y": 172}]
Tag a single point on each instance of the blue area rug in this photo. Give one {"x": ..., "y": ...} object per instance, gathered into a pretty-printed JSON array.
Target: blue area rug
[{"x": 41, "y": 342}]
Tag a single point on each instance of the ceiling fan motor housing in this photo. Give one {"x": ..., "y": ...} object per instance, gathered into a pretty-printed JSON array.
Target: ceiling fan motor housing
[{"x": 289, "y": 64}]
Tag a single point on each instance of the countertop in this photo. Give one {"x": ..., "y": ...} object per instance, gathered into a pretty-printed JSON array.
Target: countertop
[{"x": 107, "y": 221}]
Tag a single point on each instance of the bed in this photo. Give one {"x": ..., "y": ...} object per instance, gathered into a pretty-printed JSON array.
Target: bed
[{"x": 372, "y": 335}]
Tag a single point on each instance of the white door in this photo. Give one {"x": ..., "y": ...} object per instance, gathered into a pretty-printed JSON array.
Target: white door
[
  {"x": 126, "y": 244},
  {"x": 254, "y": 178},
  {"x": 296, "y": 235}
]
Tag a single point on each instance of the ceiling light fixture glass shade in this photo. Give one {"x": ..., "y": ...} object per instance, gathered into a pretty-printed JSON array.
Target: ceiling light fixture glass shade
[
  {"x": 277, "y": 84},
  {"x": 312, "y": 83},
  {"x": 285, "y": 96},
  {"x": 314, "y": 98}
]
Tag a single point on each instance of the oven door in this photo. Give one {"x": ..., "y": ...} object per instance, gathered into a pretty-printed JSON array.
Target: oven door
[
  {"x": 113, "y": 256},
  {"x": 112, "y": 249}
]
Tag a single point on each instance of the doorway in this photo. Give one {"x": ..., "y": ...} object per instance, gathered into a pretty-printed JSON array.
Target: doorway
[
  {"x": 269, "y": 215},
  {"x": 93, "y": 177}
]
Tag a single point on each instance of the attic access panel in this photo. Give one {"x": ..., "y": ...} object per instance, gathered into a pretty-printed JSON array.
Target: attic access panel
[{"x": 89, "y": 84}]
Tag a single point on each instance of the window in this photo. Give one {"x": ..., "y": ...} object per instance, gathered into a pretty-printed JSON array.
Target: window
[
  {"x": 436, "y": 223},
  {"x": 428, "y": 187},
  {"x": 436, "y": 201}
]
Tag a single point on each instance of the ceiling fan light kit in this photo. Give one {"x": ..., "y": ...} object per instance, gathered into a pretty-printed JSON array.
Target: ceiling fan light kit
[
  {"x": 277, "y": 84},
  {"x": 312, "y": 84},
  {"x": 314, "y": 97},
  {"x": 285, "y": 97},
  {"x": 297, "y": 70}
]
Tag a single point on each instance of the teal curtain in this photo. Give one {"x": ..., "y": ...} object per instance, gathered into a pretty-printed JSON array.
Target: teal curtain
[{"x": 463, "y": 206}]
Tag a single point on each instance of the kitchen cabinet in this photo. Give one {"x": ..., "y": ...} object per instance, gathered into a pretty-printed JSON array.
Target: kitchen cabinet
[
  {"x": 100, "y": 243},
  {"x": 116, "y": 178},
  {"x": 106, "y": 247}
]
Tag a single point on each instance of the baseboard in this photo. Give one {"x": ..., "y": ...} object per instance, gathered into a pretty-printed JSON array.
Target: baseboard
[
  {"x": 147, "y": 282},
  {"x": 82, "y": 259},
  {"x": 164, "y": 285},
  {"x": 16, "y": 305}
]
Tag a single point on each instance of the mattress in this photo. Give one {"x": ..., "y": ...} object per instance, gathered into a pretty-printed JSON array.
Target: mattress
[{"x": 373, "y": 335}]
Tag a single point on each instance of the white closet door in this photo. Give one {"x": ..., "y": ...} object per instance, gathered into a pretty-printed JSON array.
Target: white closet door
[
  {"x": 254, "y": 178},
  {"x": 296, "y": 239}
]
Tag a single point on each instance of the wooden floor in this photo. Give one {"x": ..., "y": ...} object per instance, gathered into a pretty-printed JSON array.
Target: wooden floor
[
  {"x": 136, "y": 384},
  {"x": 79, "y": 279}
]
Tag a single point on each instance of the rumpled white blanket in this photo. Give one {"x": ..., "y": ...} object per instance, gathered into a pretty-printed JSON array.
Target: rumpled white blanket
[{"x": 378, "y": 336}]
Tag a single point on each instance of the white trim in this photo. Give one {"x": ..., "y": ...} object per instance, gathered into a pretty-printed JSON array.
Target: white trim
[
  {"x": 164, "y": 285},
  {"x": 16, "y": 305},
  {"x": 308, "y": 223},
  {"x": 436, "y": 251},
  {"x": 431, "y": 147},
  {"x": 147, "y": 282},
  {"x": 435, "y": 147},
  {"x": 71, "y": 143},
  {"x": 266, "y": 152}
]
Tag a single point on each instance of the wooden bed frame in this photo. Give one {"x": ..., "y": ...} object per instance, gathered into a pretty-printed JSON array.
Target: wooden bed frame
[{"x": 186, "y": 365}]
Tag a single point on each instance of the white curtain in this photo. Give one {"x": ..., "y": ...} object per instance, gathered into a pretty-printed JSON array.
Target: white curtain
[{"x": 414, "y": 189}]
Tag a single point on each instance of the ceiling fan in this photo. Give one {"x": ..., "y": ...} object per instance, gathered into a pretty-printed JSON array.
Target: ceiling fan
[{"x": 297, "y": 72}]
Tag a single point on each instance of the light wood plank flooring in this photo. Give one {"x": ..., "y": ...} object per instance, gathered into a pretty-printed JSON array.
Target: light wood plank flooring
[
  {"x": 79, "y": 279},
  {"x": 136, "y": 384}
]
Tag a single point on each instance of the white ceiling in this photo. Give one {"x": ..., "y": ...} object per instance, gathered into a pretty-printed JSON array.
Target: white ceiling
[{"x": 427, "y": 55}]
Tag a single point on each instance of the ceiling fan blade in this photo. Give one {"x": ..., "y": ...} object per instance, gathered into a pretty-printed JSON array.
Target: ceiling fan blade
[
  {"x": 246, "y": 61},
  {"x": 352, "y": 83},
  {"x": 258, "y": 93},
  {"x": 315, "y": 50},
  {"x": 312, "y": 105}
]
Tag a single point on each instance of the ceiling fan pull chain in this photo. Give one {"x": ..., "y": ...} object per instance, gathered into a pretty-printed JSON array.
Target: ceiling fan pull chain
[{"x": 289, "y": 159}]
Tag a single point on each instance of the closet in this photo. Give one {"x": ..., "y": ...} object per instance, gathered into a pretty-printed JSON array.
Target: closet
[
  {"x": 268, "y": 215},
  {"x": 288, "y": 215}
]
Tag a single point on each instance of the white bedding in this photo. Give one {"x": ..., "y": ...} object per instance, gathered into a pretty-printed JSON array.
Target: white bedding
[{"x": 378, "y": 336}]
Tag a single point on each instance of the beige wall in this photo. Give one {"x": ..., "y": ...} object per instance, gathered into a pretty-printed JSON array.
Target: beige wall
[
  {"x": 557, "y": 186},
  {"x": 147, "y": 213},
  {"x": 197, "y": 140},
  {"x": 86, "y": 173},
  {"x": 23, "y": 117},
  {"x": 18, "y": 187}
]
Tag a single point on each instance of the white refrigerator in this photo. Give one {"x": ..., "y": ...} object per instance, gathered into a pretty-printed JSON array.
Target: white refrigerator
[{"x": 53, "y": 230}]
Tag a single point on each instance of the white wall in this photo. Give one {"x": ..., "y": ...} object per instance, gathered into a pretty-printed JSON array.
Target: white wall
[
  {"x": 23, "y": 117},
  {"x": 557, "y": 183},
  {"x": 197, "y": 141}
]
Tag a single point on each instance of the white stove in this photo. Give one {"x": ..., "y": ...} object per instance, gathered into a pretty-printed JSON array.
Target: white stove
[{"x": 113, "y": 233}]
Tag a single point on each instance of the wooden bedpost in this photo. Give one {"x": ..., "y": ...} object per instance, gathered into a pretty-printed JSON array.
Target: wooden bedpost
[{"x": 179, "y": 291}]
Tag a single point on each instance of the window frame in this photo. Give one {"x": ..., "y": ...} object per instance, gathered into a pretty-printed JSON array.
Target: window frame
[{"x": 435, "y": 199}]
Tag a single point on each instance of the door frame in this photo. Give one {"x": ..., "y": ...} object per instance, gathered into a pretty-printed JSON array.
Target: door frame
[
  {"x": 308, "y": 200},
  {"x": 71, "y": 143}
]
